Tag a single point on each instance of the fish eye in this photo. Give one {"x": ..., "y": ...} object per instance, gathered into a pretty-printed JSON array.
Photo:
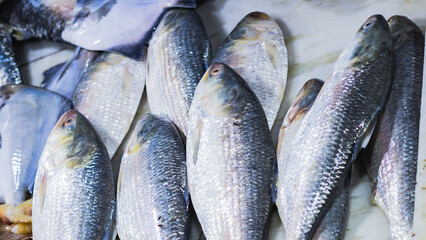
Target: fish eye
[
  {"x": 216, "y": 71},
  {"x": 68, "y": 121},
  {"x": 390, "y": 20},
  {"x": 367, "y": 24}
]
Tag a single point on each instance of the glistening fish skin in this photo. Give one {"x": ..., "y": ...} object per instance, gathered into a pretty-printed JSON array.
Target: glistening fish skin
[
  {"x": 178, "y": 56},
  {"x": 9, "y": 70},
  {"x": 64, "y": 77},
  {"x": 109, "y": 94},
  {"x": 74, "y": 189},
  {"x": 255, "y": 49},
  {"x": 333, "y": 224},
  {"x": 37, "y": 18},
  {"x": 151, "y": 198},
  {"x": 335, "y": 128},
  {"x": 393, "y": 152},
  {"x": 27, "y": 115},
  {"x": 230, "y": 157}
]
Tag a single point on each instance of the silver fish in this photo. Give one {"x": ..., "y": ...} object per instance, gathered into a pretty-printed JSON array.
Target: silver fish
[
  {"x": 37, "y": 18},
  {"x": 64, "y": 77},
  {"x": 152, "y": 201},
  {"x": 109, "y": 94},
  {"x": 255, "y": 49},
  {"x": 392, "y": 163},
  {"x": 337, "y": 125},
  {"x": 74, "y": 188},
  {"x": 333, "y": 224},
  {"x": 9, "y": 70},
  {"x": 122, "y": 26},
  {"x": 27, "y": 115},
  {"x": 230, "y": 157},
  {"x": 178, "y": 56}
]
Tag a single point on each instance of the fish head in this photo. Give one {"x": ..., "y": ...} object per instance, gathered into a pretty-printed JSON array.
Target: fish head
[
  {"x": 145, "y": 130},
  {"x": 71, "y": 143},
  {"x": 371, "y": 40},
  {"x": 401, "y": 28},
  {"x": 222, "y": 92}
]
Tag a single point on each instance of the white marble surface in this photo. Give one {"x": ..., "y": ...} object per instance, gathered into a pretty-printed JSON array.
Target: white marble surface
[{"x": 315, "y": 34}]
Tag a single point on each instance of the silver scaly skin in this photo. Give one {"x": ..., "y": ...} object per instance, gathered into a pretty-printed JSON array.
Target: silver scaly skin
[
  {"x": 255, "y": 49},
  {"x": 335, "y": 128},
  {"x": 152, "y": 192},
  {"x": 178, "y": 56},
  {"x": 27, "y": 115},
  {"x": 392, "y": 164},
  {"x": 333, "y": 224},
  {"x": 9, "y": 70},
  {"x": 74, "y": 189},
  {"x": 109, "y": 94},
  {"x": 230, "y": 157}
]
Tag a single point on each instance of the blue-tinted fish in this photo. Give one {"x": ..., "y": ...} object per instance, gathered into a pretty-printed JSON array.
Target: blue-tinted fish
[{"x": 9, "y": 70}]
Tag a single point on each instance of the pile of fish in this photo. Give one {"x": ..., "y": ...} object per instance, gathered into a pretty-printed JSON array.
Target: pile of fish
[{"x": 207, "y": 141}]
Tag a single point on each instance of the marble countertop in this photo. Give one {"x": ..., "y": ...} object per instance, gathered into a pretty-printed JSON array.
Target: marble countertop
[{"x": 315, "y": 32}]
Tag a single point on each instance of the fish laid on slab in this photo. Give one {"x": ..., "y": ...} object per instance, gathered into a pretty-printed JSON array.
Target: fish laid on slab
[
  {"x": 122, "y": 26},
  {"x": 178, "y": 56},
  {"x": 338, "y": 124},
  {"x": 333, "y": 224},
  {"x": 64, "y": 77},
  {"x": 74, "y": 188},
  {"x": 27, "y": 115},
  {"x": 255, "y": 49},
  {"x": 109, "y": 94},
  {"x": 152, "y": 199},
  {"x": 392, "y": 154},
  {"x": 37, "y": 18},
  {"x": 9, "y": 70},
  {"x": 230, "y": 157}
]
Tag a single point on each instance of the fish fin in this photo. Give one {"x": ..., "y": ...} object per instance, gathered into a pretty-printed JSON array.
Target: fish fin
[
  {"x": 111, "y": 231},
  {"x": 372, "y": 198},
  {"x": 369, "y": 132},
  {"x": 135, "y": 51},
  {"x": 272, "y": 52},
  {"x": 196, "y": 135},
  {"x": 186, "y": 196},
  {"x": 50, "y": 73},
  {"x": 42, "y": 189},
  {"x": 280, "y": 139},
  {"x": 202, "y": 236}
]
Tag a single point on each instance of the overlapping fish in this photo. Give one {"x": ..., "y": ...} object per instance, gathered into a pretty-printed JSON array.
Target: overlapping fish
[
  {"x": 230, "y": 157},
  {"x": 74, "y": 188},
  {"x": 9, "y": 70},
  {"x": 333, "y": 224},
  {"x": 152, "y": 199},
  {"x": 337, "y": 125},
  {"x": 27, "y": 115},
  {"x": 392, "y": 155},
  {"x": 122, "y": 26},
  {"x": 64, "y": 77},
  {"x": 255, "y": 49},
  {"x": 178, "y": 56},
  {"x": 109, "y": 94}
]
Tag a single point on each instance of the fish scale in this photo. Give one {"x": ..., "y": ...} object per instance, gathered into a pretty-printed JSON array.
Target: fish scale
[
  {"x": 230, "y": 157},
  {"x": 109, "y": 94},
  {"x": 334, "y": 129},
  {"x": 392, "y": 156},
  {"x": 151, "y": 201},
  {"x": 9, "y": 70},
  {"x": 178, "y": 56}
]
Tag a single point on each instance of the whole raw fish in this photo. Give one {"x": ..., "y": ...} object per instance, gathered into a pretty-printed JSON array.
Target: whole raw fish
[
  {"x": 122, "y": 26},
  {"x": 152, "y": 199},
  {"x": 333, "y": 224},
  {"x": 74, "y": 188},
  {"x": 337, "y": 125},
  {"x": 255, "y": 49},
  {"x": 27, "y": 115},
  {"x": 9, "y": 70},
  {"x": 392, "y": 164},
  {"x": 178, "y": 56},
  {"x": 109, "y": 94},
  {"x": 230, "y": 157},
  {"x": 64, "y": 77}
]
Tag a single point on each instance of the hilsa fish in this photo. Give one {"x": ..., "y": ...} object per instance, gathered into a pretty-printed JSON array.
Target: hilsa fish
[
  {"x": 74, "y": 187},
  {"x": 255, "y": 49},
  {"x": 338, "y": 124},
  {"x": 152, "y": 196},
  {"x": 230, "y": 157},
  {"x": 178, "y": 56},
  {"x": 391, "y": 157}
]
